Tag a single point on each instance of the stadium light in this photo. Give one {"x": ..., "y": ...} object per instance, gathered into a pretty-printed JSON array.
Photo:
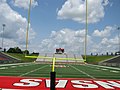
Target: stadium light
[
  {"x": 86, "y": 32},
  {"x": 3, "y": 35}
]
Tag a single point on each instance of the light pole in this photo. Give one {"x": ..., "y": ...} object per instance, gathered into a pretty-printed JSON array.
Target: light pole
[
  {"x": 118, "y": 38},
  {"x": 3, "y": 35},
  {"x": 86, "y": 31}
]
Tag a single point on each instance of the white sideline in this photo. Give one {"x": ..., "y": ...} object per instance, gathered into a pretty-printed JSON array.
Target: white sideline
[
  {"x": 33, "y": 70},
  {"x": 105, "y": 67},
  {"x": 14, "y": 64},
  {"x": 82, "y": 72}
]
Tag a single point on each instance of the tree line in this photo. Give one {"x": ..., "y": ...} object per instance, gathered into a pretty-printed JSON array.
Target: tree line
[{"x": 17, "y": 50}]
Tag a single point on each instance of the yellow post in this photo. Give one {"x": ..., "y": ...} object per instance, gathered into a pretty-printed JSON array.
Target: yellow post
[
  {"x": 86, "y": 32},
  {"x": 53, "y": 66},
  {"x": 28, "y": 25}
]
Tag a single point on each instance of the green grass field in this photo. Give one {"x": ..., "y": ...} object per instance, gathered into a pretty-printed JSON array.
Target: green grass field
[
  {"x": 96, "y": 59},
  {"x": 90, "y": 59},
  {"x": 66, "y": 71}
]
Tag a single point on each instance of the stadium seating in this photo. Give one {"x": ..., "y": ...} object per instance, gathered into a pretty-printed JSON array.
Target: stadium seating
[
  {"x": 69, "y": 58},
  {"x": 5, "y": 59},
  {"x": 112, "y": 62}
]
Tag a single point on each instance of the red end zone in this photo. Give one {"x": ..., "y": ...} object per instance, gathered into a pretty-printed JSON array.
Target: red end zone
[{"x": 19, "y": 83}]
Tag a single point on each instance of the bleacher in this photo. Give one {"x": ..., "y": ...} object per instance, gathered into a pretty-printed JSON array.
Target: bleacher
[
  {"x": 6, "y": 59},
  {"x": 112, "y": 62},
  {"x": 69, "y": 58}
]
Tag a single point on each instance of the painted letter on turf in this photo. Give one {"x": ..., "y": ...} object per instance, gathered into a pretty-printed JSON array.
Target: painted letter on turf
[
  {"x": 28, "y": 82},
  {"x": 83, "y": 84}
]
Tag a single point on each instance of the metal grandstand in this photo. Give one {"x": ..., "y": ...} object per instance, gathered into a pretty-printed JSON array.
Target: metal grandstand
[{"x": 68, "y": 58}]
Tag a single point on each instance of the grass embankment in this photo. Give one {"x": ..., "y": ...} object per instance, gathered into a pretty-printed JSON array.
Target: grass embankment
[
  {"x": 90, "y": 59},
  {"x": 22, "y": 57},
  {"x": 96, "y": 59}
]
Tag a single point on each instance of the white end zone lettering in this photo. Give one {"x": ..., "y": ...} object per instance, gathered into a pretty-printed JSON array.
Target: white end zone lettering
[
  {"x": 60, "y": 83},
  {"x": 83, "y": 84},
  {"x": 28, "y": 83},
  {"x": 19, "y": 83},
  {"x": 108, "y": 84}
]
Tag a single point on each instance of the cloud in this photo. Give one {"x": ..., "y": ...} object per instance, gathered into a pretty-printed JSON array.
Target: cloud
[
  {"x": 105, "y": 40},
  {"x": 106, "y": 32},
  {"x": 24, "y": 3},
  {"x": 113, "y": 41},
  {"x": 108, "y": 45},
  {"x": 2, "y": 1},
  {"x": 15, "y": 29},
  {"x": 71, "y": 40},
  {"x": 76, "y": 10}
]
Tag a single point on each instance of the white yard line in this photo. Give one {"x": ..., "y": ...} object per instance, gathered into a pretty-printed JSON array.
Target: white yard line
[
  {"x": 105, "y": 67},
  {"x": 114, "y": 71},
  {"x": 33, "y": 70},
  {"x": 82, "y": 72},
  {"x": 3, "y": 68}
]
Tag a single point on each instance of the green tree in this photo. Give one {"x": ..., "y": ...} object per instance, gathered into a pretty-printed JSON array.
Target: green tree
[
  {"x": 18, "y": 50},
  {"x": 11, "y": 50},
  {"x": 26, "y": 52},
  {"x": 15, "y": 50}
]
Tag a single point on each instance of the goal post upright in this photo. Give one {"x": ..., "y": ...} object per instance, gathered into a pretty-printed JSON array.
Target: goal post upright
[{"x": 28, "y": 25}]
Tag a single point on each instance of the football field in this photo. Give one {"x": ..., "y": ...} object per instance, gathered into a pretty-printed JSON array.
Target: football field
[{"x": 62, "y": 71}]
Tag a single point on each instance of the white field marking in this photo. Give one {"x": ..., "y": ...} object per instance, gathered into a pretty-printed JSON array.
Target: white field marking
[
  {"x": 13, "y": 66},
  {"x": 109, "y": 76},
  {"x": 36, "y": 74},
  {"x": 105, "y": 67},
  {"x": 44, "y": 74},
  {"x": 26, "y": 65},
  {"x": 97, "y": 68},
  {"x": 4, "y": 68},
  {"x": 16, "y": 64},
  {"x": 19, "y": 73},
  {"x": 82, "y": 72},
  {"x": 92, "y": 67},
  {"x": 10, "y": 73},
  {"x": 114, "y": 71},
  {"x": 33, "y": 70},
  {"x": 21, "y": 65}
]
